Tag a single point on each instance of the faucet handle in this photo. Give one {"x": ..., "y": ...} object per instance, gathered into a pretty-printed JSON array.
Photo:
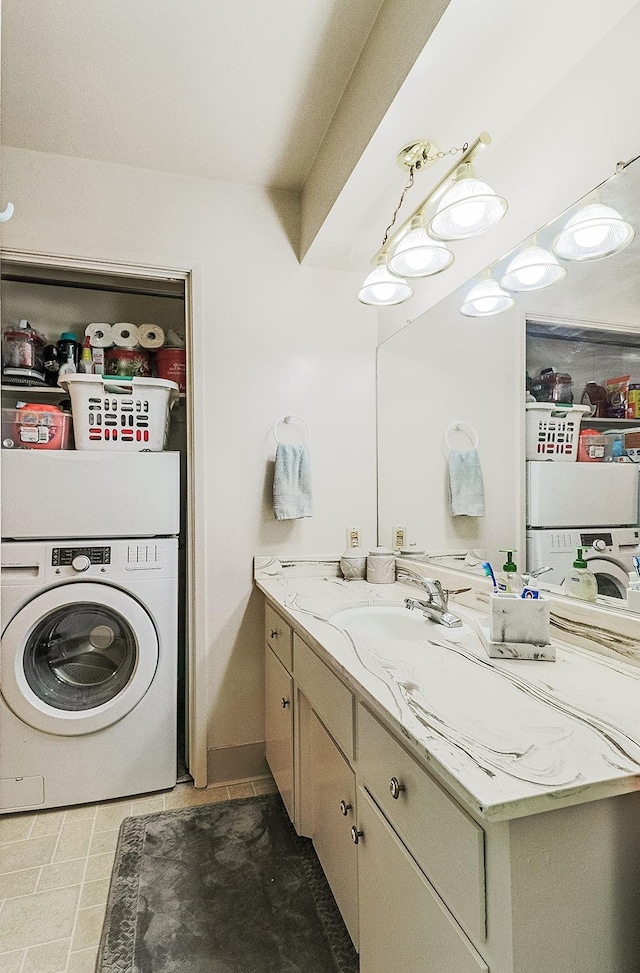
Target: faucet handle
[{"x": 435, "y": 589}]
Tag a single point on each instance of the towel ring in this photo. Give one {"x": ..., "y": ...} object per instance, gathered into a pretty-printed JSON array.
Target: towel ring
[
  {"x": 287, "y": 419},
  {"x": 464, "y": 427}
]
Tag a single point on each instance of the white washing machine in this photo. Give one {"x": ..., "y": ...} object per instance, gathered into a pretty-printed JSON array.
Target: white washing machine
[
  {"x": 608, "y": 552},
  {"x": 88, "y": 664}
]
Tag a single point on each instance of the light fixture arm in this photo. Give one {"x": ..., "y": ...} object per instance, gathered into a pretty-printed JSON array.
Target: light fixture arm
[{"x": 468, "y": 156}]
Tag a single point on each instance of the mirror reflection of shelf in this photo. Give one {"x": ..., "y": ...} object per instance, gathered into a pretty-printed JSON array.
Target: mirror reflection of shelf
[{"x": 610, "y": 423}]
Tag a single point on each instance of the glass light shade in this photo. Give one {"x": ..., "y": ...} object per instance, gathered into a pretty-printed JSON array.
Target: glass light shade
[
  {"x": 381, "y": 288},
  {"x": 469, "y": 208},
  {"x": 531, "y": 270},
  {"x": 595, "y": 231},
  {"x": 418, "y": 256},
  {"x": 486, "y": 298}
]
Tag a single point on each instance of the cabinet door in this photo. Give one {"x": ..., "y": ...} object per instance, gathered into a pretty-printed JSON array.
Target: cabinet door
[
  {"x": 279, "y": 726},
  {"x": 333, "y": 801},
  {"x": 404, "y": 926}
]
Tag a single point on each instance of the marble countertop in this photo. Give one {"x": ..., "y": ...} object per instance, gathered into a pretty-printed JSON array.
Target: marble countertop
[{"x": 507, "y": 738}]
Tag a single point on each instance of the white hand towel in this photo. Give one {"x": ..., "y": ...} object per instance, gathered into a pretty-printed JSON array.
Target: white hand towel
[
  {"x": 292, "y": 482},
  {"x": 466, "y": 487}
]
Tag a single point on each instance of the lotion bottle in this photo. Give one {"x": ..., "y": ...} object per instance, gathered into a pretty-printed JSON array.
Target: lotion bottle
[
  {"x": 580, "y": 582},
  {"x": 508, "y": 579}
]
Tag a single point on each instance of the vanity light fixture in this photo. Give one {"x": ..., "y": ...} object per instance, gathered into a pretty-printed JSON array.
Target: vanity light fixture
[
  {"x": 532, "y": 269},
  {"x": 595, "y": 231},
  {"x": 485, "y": 299},
  {"x": 417, "y": 255},
  {"x": 383, "y": 289},
  {"x": 468, "y": 208}
]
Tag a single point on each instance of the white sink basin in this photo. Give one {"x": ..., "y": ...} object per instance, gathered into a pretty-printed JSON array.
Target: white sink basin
[{"x": 390, "y": 622}]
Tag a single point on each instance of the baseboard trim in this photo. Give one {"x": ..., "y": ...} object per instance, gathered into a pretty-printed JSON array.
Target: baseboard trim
[{"x": 226, "y": 764}]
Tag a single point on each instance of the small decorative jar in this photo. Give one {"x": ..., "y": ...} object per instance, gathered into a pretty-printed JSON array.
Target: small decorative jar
[
  {"x": 353, "y": 564},
  {"x": 381, "y": 566},
  {"x": 413, "y": 551}
]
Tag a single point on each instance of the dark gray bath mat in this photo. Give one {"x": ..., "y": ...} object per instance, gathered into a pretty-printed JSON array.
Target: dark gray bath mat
[{"x": 221, "y": 888}]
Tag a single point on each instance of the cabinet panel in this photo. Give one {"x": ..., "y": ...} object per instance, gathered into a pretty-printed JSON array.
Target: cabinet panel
[
  {"x": 329, "y": 697},
  {"x": 446, "y": 842},
  {"x": 334, "y": 802},
  {"x": 404, "y": 926},
  {"x": 278, "y": 635},
  {"x": 279, "y": 726}
]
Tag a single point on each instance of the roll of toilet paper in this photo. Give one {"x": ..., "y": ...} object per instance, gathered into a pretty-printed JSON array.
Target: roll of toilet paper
[
  {"x": 150, "y": 336},
  {"x": 125, "y": 335},
  {"x": 100, "y": 334}
]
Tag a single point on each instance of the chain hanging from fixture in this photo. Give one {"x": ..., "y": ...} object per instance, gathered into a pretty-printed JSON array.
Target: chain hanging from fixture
[{"x": 413, "y": 157}]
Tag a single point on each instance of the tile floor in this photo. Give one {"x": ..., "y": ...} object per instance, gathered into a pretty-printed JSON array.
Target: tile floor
[{"x": 55, "y": 868}]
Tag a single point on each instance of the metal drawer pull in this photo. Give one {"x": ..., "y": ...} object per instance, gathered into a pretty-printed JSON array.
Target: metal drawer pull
[
  {"x": 355, "y": 834},
  {"x": 285, "y": 702},
  {"x": 345, "y": 808},
  {"x": 395, "y": 787},
  {"x": 273, "y": 634}
]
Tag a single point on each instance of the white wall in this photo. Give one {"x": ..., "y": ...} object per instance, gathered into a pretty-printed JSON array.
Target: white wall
[
  {"x": 277, "y": 338},
  {"x": 443, "y": 368}
]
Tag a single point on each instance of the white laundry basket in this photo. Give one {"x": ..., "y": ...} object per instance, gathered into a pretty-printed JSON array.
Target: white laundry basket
[
  {"x": 120, "y": 415},
  {"x": 553, "y": 431}
]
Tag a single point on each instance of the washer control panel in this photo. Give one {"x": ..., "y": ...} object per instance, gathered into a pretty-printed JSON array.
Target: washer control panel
[{"x": 65, "y": 556}]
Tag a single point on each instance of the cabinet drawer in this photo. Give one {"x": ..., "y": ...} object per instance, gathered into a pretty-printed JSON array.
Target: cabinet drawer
[
  {"x": 334, "y": 810},
  {"x": 279, "y": 727},
  {"x": 404, "y": 927},
  {"x": 279, "y": 636},
  {"x": 445, "y": 841},
  {"x": 329, "y": 697}
]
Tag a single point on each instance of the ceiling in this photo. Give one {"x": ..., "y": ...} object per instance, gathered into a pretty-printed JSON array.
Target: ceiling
[
  {"x": 312, "y": 96},
  {"x": 233, "y": 90}
]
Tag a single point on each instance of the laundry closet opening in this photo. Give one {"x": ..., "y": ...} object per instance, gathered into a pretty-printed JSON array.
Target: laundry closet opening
[{"x": 58, "y": 300}]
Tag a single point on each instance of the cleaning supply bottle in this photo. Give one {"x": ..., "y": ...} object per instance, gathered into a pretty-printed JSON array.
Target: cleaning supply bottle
[
  {"x": 508, "y": 579},
  {"x": 86, "y": 358},
  {"x": 580, "y": 582},
  {"x": 68, "y": 367}
]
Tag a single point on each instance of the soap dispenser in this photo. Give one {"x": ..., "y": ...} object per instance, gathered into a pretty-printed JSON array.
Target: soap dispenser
[
  {"x": 580, "y": 582},
  {"x": 508, "y": 580}
]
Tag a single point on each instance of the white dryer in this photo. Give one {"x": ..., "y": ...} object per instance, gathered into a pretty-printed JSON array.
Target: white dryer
[
  {"x": 589, "y": 505},
  {"x": 88, "y": 663}
]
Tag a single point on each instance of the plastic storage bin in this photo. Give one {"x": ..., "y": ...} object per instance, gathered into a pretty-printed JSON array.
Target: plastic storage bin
[
  {"x": 552, "y": 431},
  {"x": 35, "y": 427},
  {"x": 594, "y": 448},
  {"x": 117, "y": 414}
]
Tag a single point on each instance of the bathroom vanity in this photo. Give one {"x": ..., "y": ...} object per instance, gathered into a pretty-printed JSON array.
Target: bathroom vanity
[{"x": 470, "y": 814}]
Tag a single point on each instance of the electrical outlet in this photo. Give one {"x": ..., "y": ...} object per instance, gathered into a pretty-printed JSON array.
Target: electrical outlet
[
  {"x": 399, "y": 538},
  {"x": 353, "y": 537}
]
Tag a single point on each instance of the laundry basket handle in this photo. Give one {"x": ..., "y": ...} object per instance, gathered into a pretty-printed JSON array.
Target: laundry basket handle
[{"x": 118, "y": 384}]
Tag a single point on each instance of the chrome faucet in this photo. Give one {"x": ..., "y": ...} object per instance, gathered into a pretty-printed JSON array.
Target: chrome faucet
[
  {"x": 435, "y": 607},
  {"x": 535, "y": 573}
]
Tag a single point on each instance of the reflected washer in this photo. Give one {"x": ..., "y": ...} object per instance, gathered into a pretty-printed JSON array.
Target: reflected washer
[
  {"x": 88, "y": 661},
  {"x": 608, "y": 552}
]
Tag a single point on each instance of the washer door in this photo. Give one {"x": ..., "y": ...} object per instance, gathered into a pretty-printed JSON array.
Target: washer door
[
  {"x": 77, "y": 658},
  {"x": 611, "y": 576}
]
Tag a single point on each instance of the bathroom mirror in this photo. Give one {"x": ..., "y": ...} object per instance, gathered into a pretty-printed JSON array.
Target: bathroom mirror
[{"x": 446, "y": 379}]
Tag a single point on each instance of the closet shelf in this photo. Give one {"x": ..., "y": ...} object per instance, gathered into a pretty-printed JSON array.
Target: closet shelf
[{"x": 22, "y": 390}]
